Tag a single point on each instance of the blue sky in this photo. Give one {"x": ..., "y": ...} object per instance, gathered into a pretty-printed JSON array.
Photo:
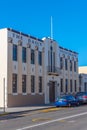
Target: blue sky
[{"x": 33, "y": 17}]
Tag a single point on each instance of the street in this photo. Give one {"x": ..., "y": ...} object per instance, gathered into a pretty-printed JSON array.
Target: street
[{"x": 74, "y": 118}]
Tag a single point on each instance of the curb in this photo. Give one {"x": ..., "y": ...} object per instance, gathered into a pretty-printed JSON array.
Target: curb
[
  {"x": 3, "y": 114},
  {"x": 25, "y": 111}
]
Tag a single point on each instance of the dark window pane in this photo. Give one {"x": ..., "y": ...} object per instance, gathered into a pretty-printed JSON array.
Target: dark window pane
[
  {"x": 14, "y": 83},
  {"x": 40, "y": 84},
  {"x": 65, "y": 64},
  {"x": 70, "y": 65},
  {"x": 32, "y": 57},
  {"x": 24, "y": 83},
  {"x": 66, "y": 85},
  {"x": 32, "y": 84},
  {"x": 70, "y": 85},
  {"x": 61, "y": 85},
  {"x": 61, "y": 62},
  {"x": 14, "y": 52},
  {"x": 75, "y": 86},
  {"x": 75, "y": 66},
  {"x": 40, "y": 58},
  {"x": 24, "y": 54}
]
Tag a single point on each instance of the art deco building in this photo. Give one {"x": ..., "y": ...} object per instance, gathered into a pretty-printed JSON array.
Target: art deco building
[{"x": 34, "y": 71}]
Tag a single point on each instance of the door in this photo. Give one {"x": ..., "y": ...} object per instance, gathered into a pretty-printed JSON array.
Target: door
[{"x": 52, "y": 92}]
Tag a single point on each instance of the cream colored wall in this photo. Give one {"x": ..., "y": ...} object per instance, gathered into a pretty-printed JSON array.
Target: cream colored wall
[
  {"x": 83, "y": 69},
  {"x": 67, "y": 74},
  {"x": 48, "y": 78},
  {"x": 3, "y": 66},
  {"x": 24, "y": 68},
  {"x": 18, "y": 67}
]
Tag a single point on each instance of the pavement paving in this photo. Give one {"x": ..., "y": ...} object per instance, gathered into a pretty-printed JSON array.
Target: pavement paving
[{"x": 24, "y": 109}]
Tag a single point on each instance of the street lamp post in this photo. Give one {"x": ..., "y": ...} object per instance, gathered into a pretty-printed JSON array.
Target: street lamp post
[{"x": 4, "y": 92}]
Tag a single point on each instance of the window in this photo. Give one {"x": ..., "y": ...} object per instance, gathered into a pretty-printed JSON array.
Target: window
[
  {"x": 70, "y": 85},
  {"x": 48, "y": 58},
  {"x": 61, "y": 62},
  {"x": 51, "y": 58},
  {"x": 53, "y": 61},
  {"x": 24, "y": 54},
  {"x": 40, "y": 84},
  {"x": 75, "y": 86},
  {"x": 65, "y": 64},
  {"x": 74, "y": 66},
  {"x": 40, "y": 58},
  {"x": 14, "y": 52},
  {"x": 61, "y": 85},
  {"x": 32, "y": 41},
  {"x": 32, "y": 84},
  {"x": 66, "y": 85},
  {"x": 70, "y": 65},
  {"x": 85, "y": 87},
  {"x": 23, "y": 83},
  {"x": 32, "y": 57},
  {"x": 14, "y": 83}
]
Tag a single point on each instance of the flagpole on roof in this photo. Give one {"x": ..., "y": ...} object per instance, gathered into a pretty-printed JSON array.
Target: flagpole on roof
[{"x": 51, "y": 27}]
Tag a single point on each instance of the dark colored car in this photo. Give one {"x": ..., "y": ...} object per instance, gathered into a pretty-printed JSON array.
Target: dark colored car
[
  {"x": 81, "y": 97},
  {"x": 67, "y": 100}
]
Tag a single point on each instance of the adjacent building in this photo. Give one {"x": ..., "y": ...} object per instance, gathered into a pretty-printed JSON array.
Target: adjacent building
[
  {"x": 83, "y": 69},
  {"x": 83, "y": 78},
  {"x": 34, "y": 71}
]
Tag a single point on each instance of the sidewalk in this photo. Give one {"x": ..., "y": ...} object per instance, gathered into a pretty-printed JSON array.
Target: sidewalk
[{"x": 25, "y": 109}]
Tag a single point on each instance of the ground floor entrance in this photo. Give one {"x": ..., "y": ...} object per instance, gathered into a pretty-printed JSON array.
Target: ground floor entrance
[{"x": 52, "y": 92}]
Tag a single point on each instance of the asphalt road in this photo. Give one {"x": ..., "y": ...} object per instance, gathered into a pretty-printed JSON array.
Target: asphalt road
[{"x": 74, "y": 118}]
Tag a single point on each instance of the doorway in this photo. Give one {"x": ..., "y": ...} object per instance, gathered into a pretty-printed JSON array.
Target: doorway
[{"x": 52, "y": 92}]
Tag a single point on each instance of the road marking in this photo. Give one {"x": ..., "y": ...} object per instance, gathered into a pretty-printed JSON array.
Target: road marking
[
  {"x": 41, "y": 119},
  {"x": 51, "y": 109},
  {"x": 52, "y": 121},
  {"x": 62, "y": 120}
]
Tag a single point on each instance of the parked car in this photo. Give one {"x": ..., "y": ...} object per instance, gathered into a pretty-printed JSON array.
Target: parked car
[
  {"x": 81, "y": 97},
  {"x": 66, "y": 100}
]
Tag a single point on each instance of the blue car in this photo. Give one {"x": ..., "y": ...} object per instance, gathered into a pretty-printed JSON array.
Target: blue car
[
  {"x": 67, "y": 100},
  {"x": 81, "y": 97}
]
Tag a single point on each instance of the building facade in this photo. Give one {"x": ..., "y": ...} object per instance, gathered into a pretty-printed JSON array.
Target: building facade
[
  {"x": 83, "y": 69},
  {"x": 83, "y": 78},
  {"x": 82, "y": 82},
  {"x": 34, "y": 71}
]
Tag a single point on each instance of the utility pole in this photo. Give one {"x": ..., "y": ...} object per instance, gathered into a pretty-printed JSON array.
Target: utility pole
[{"x": 4, "y": 92}]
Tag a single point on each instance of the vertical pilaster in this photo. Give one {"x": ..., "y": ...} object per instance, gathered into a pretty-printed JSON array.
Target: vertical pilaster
[
  {"x": 36, "y": 71},
  {"x": 20, "y": 69},
  {"x": 28, "y": 70},
  {"x": 43, "y": 74},
  {"x": 10, "y": 60},
  {"x": 63, "y": 75},
  {"x": 68, "y": 76},
  {"x": 73, "y": 76}
]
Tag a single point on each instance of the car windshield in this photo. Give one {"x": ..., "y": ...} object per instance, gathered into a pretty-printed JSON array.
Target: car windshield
[
  {"x": 81, "y": 93},
  {"x": 68, "y": 97}
]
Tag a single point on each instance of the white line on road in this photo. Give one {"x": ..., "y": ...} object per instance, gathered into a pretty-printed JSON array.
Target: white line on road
[{"x": 52, "y": 121}]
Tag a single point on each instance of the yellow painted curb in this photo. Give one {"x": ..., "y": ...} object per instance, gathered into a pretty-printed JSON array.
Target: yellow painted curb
[
  {"x": 51, "y": 109},
  {"x": 3, "y": 114}
]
